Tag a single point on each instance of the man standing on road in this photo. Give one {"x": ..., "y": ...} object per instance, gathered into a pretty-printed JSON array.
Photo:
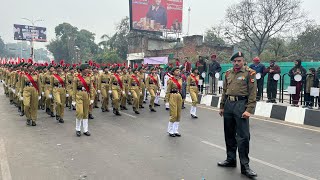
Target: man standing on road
[
  {"x": 214, "y": 68},
  {"x": 272, "y": 83},
  {"x": 259, "y": 68},
  {"x": 237, "y": 104}
]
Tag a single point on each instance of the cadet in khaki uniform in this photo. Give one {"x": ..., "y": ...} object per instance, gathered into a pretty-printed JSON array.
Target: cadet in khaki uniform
[
  {"x": 192, "y": 88},
  {"x": 58, "y": 82},
  {"x": 134, "y": 87},
  {"x": 41, "y": 76},
  {"x": 129, "y": 97},
  {"x": 30, "y": 91},
  {"x": 84, "y": 97},
  {"x": 116, "y": 88},
  {"x": 152, "y": 84},
  {"x": 95, "y": 85},
  {"x": 125, "y": 80},
  {"x": 103, "y": 88},
  {"x": 48, "y": 90},
  {"x": 237, "y": 104},
  {"x": 141, "y": 75},
  {"x": 69, "y": 80},
  {"x": 174, "y": 86}
]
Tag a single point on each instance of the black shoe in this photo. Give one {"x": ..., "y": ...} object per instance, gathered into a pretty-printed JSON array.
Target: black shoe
[
  {"x": 87, "y": 133},
  {"x": 167, "y": 109},
  {"x": 141, "y": 107},
  {"x": 91, "y": 116},
  {"x": 227, "y": 163},
  {"x": 249, "y": 173},
  {"x": 34, "y": 123},
  {"x": 172, "y": 135},
  {"x": 153, "y": 110},
  {"x": 96, "y": 106},
  {"x": 22, "y": 113},
  {"x": 118, "y": 113},
  {"x": 73, "y": 108},
  {"x": 144, "y": 102},
  {"x": 19, "y": 109},
  {"x": 194, "y": 117},
  {"x": 156, "y": 104},
  {"x": 183, "y": 107},
  {"x": 78, "y": 133},
  {"x": 137, "y": 112},
  {"x": 57, "y": 118},
  {"x": 47, "y": 111},
  {"x": 177, "y": 134},
  {"x": 103, "y": 110},
  {"x": 52, "y": 114},
  {"x": 124, "y": 108},
  {"x": 28, "y": 122},
  {"x": 61, "y": 120}
]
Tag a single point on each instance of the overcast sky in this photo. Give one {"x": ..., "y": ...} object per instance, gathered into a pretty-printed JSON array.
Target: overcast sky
[{"x": 100, "y": 16}]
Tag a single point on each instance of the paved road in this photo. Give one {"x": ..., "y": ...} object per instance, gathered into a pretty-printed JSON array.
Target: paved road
[{"x": 138, "y": 148}]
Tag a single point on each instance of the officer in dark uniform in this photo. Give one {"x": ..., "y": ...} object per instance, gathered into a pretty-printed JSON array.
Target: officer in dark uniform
[{"x": 237, "y": 104}]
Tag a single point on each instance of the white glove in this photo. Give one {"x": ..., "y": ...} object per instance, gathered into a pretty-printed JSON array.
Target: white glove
[
  {"x": 99, "y": 91},
  {"x": 42, "y": 93},
  {"x": 14, "y": 91},
  {"x": 50, "y": 96},
  {"x": 123, "y": 92},
  {"x": 129, "y": 93},
  {"x": 110, "y": 91},
  {"x": 73, "y": 103},
  {"x": 167, "y": 104},
  {"x": 140, "y": 93},
  {"x": 91, "y": 101},
  {"x": 39, "y": 97},
  {"x": 67, "y": 95},
  {"x": 21, "y": 98}
]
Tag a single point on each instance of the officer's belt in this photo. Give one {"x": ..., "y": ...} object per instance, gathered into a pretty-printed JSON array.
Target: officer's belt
[
  {"x": 116, "y": 84},
  {"x": 47, "y": 82},
  {"x": 103, "y": 81},
  {"x": 134, "y": 84},
  {"x": 192, "y": 84},
  {"x": 237, "y": 98},
  {"x": 174, "y": 91}
]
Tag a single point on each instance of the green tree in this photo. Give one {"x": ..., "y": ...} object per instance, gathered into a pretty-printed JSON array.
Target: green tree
[{"x": 213, "y": 37}]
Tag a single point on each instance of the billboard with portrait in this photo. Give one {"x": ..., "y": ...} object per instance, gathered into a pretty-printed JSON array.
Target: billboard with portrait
[
  {"x": 156, "y": 15},
  {"x": 27, "y": 33}
]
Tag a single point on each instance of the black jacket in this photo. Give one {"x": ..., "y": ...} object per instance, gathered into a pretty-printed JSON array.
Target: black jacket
[{"x": 214, "y": 67}]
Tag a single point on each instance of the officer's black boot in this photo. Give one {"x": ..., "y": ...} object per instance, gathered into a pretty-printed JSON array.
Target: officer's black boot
[
  {"x": 57, "y": 117},
  {"x": 34, "y": 123},
  {"x": 52, "y": 114},
  {"x": 248, "y": 172},
  {"x": 61, "y": 120},
  {"x": 87, "y": 133},
  {"x": 78, "y": 133},
  {"x": 91, "y": 116},
  {"x": 118, "y": 113},
  {"x": 19, "y": 109},
  {"x": 28, "y": 122},
  {"x": 152, "y": 109},
  {"x": 227, "y": 163}
]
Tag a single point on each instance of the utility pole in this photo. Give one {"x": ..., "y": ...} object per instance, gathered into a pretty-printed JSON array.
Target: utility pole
[{"x": 189, "y": 13}]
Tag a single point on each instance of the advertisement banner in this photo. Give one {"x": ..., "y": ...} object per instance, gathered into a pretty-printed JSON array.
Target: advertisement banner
[
  {"x": 156, "y": 15},
  {"x": 156, "y": 60},
  {"x": 27, "y": 33}
]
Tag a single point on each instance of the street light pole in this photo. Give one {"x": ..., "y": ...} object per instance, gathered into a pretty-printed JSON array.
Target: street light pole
[{"x": 32, "y": 43}]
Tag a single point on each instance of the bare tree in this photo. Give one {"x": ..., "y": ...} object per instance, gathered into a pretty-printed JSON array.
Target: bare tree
[{"x": 251, "y": 23}]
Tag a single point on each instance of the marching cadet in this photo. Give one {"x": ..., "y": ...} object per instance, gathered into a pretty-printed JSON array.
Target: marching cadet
[
  {"x": 84, "y": 96},
  {"x": 157, "y": 98},
  {"x": 58, "y": 86},
  {"x": 47, "y": 91},
  {"x": 134, "y": 87},
  {"x": 69, "y": 87},
  {"x": 95, "y": 85},
  {"x": 125, "y": 80},
  {"x": 237, "y": 104},
  {"x": 94, "y": 89},
  {"x": 166, "y": 79},
  {"x": 116, "y": 89},
  {"x": 141, "y": 75},
  {"x": 175, "y": 101},
  {"x": 129, "y": 97},
  {"x": 152, "y": 84},
  {"x": 41, "y": 76},
  {"x": 30, "y": 90},
  {"x": 192, "y": 88},
  {"x": 184, "y": 76},
  {"x": 103, "y": 88}
]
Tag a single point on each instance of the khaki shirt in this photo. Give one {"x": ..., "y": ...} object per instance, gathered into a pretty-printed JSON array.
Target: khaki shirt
[
  {"x": 191, "y": 82},
  {"x": 152, "y": 84},
  {"x": 242, "y": 83},
  {"x": 173, "y": 87}
]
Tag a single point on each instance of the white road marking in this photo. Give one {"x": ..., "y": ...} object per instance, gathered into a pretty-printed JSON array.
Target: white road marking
[
  {"x": 4, "y": 164},
  {"x": 128, "y": 115},
  {"x": 270, "y": 121},
  {"x": 265, "y": 163}
]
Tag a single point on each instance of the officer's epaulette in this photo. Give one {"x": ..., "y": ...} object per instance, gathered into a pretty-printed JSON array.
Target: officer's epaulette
[
  {"x": 252, "y": 72},
  {"x": 228, "y": 71}
]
